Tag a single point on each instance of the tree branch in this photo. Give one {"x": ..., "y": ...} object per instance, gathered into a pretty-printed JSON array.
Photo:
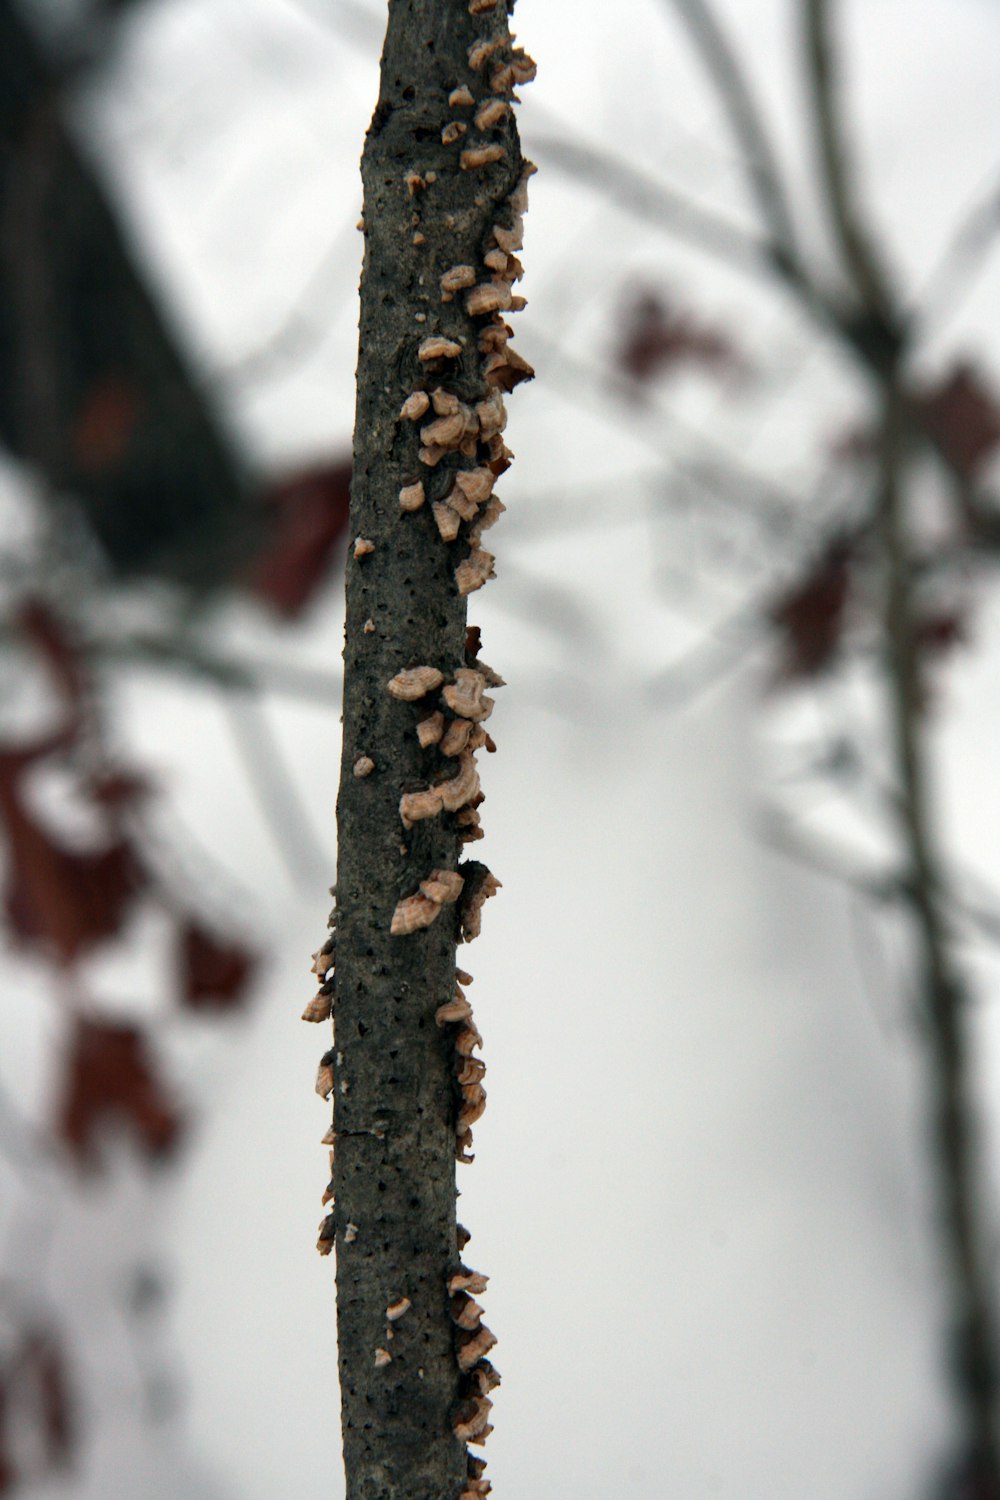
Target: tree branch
[
  {"x": 748, "y": 128},
  {"x": 976, "y": 1374}
]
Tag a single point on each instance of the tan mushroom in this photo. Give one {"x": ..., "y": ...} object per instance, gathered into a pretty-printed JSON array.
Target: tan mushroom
[
  {"x": 363, "y": 546},
  {"x": 474, "y": 1347},
  {"x": 320, "y": 1008},
  {"x": 324, "y": 1078},
  {"x": 413, "y": 913},
  {"x": 414, "y": 807},
  {"x": 445, "y": 432},
  {"x": 467, "y": 1281},
  {"x": 490, "y": 113},
  {"x": 447, "y": 520},
  {"x": 414, "y": 682},
  {"x": 396, "y": 1309},
  {"x": 327, "y": 1230},
  {"x": 466, "y": 695},
  {"x": 453, "y": 131},
  {"x": 460, "y": 96},
  {"x": 456, "y": 737},
  {"x": 475, "y": 157},
  {"x": 466, "y": 1038},
  {"x": 509, "y": 239},
  {"x": 438, "y": 347},
  {"x": 480, "y": 885},
  {"x": 414, "y": 406},
  {"x": 455, "y": 280},
  {"x": 488, "y": 297},
  {"x": 411, "y": 497},
  {"x": 460, "y": 789},
  {"x": 473, "y": 1107},
  {"x": 458, "y": 1009},
  {"x": 363, "y": 766},
  {"x": 382, "y": 1358},
  {"x": 475, "y": 484},
  {"x": 480, "y": 52},
  {"x": 443, "y": 886},
  {"x": 430, "y": 730},
  {"x": 471, "y": 1417},
  {"x": 492, "y": 417},
  {"x": 476, "y": 570},
  {"x": 465, "y": 1311}
]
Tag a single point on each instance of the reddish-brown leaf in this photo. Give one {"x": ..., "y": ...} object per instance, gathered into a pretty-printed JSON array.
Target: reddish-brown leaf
[
  {"x": 104, "y": 423},
  {"x": 50, "y": 636},
  {"x": 64, "y": 900},
  {"x": 110, "y": 1079},
  {"x": 963, "y": 416},
  {"x": 657, "y": 337},
  {"x": 215, "y": 975},
  {"x": 810, "y": 617},
  {"x": 307, "y": 523},
  {"x": 41, "y": 1367},
  {"x": 942, "y": 632}
]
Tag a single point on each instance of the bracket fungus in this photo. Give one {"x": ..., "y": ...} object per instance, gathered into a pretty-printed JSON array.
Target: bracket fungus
[
  {"x": 457, "y": 277},
  {"x": 474, "y": 1347},
  {"x": 430, "y": 730},
  {"x": 490, "y": 113},
  {"x": 489, "y": 296},
  {"x": 441, "y": 888},
  {"x": 480, "y": 52},
  {"x": 476, "y": 570},
  {"x": 414, "y": 406},
  {"x": 474, "y": 157},
  {"x": 320, "y": 1008},
  {"x": 414, "y": 683},
  {"x": 447, "y": 520},
  {"x": 437, "y": 347},
  {"x": 466, "y": 696},
  {"x": 411, "y": 496}
]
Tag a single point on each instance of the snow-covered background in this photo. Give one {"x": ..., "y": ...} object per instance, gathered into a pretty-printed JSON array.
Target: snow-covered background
[{"x": 699, "y": 1188}]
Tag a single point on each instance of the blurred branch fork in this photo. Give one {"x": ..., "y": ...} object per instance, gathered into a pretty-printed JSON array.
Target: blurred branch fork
[{"x": 876, "y": 332}]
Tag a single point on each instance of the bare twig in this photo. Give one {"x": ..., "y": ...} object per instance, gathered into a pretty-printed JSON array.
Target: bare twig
[
  {"x": 976, "y": 1373},
  {"x": 857, "y": 249},
  {"x": 647, "y": 198},
  {"x": 275, "y": 790},
  {"x": 962, "y": 258},
  {"x": 747, "y": 125}
]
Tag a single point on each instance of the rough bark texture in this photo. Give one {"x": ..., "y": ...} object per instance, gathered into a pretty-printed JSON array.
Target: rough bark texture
[{"x": 393, "y": 1067}]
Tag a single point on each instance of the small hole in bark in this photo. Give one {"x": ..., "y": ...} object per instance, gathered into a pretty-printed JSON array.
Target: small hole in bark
[
  {"x": 362, "y": 1029},
  {"x": 423, "y": 134},
  {"x": 409, "y": 92}
]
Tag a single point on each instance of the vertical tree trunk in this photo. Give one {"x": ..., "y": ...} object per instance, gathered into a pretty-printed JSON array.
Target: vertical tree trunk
[{"x": 443, "y": 190}]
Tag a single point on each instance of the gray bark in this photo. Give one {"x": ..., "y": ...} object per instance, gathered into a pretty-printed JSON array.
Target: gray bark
[{"x": 393, "y": 1067}]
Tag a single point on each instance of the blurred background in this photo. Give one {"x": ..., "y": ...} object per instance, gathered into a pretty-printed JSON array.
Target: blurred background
[{"x": 709, "y": 1190}]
